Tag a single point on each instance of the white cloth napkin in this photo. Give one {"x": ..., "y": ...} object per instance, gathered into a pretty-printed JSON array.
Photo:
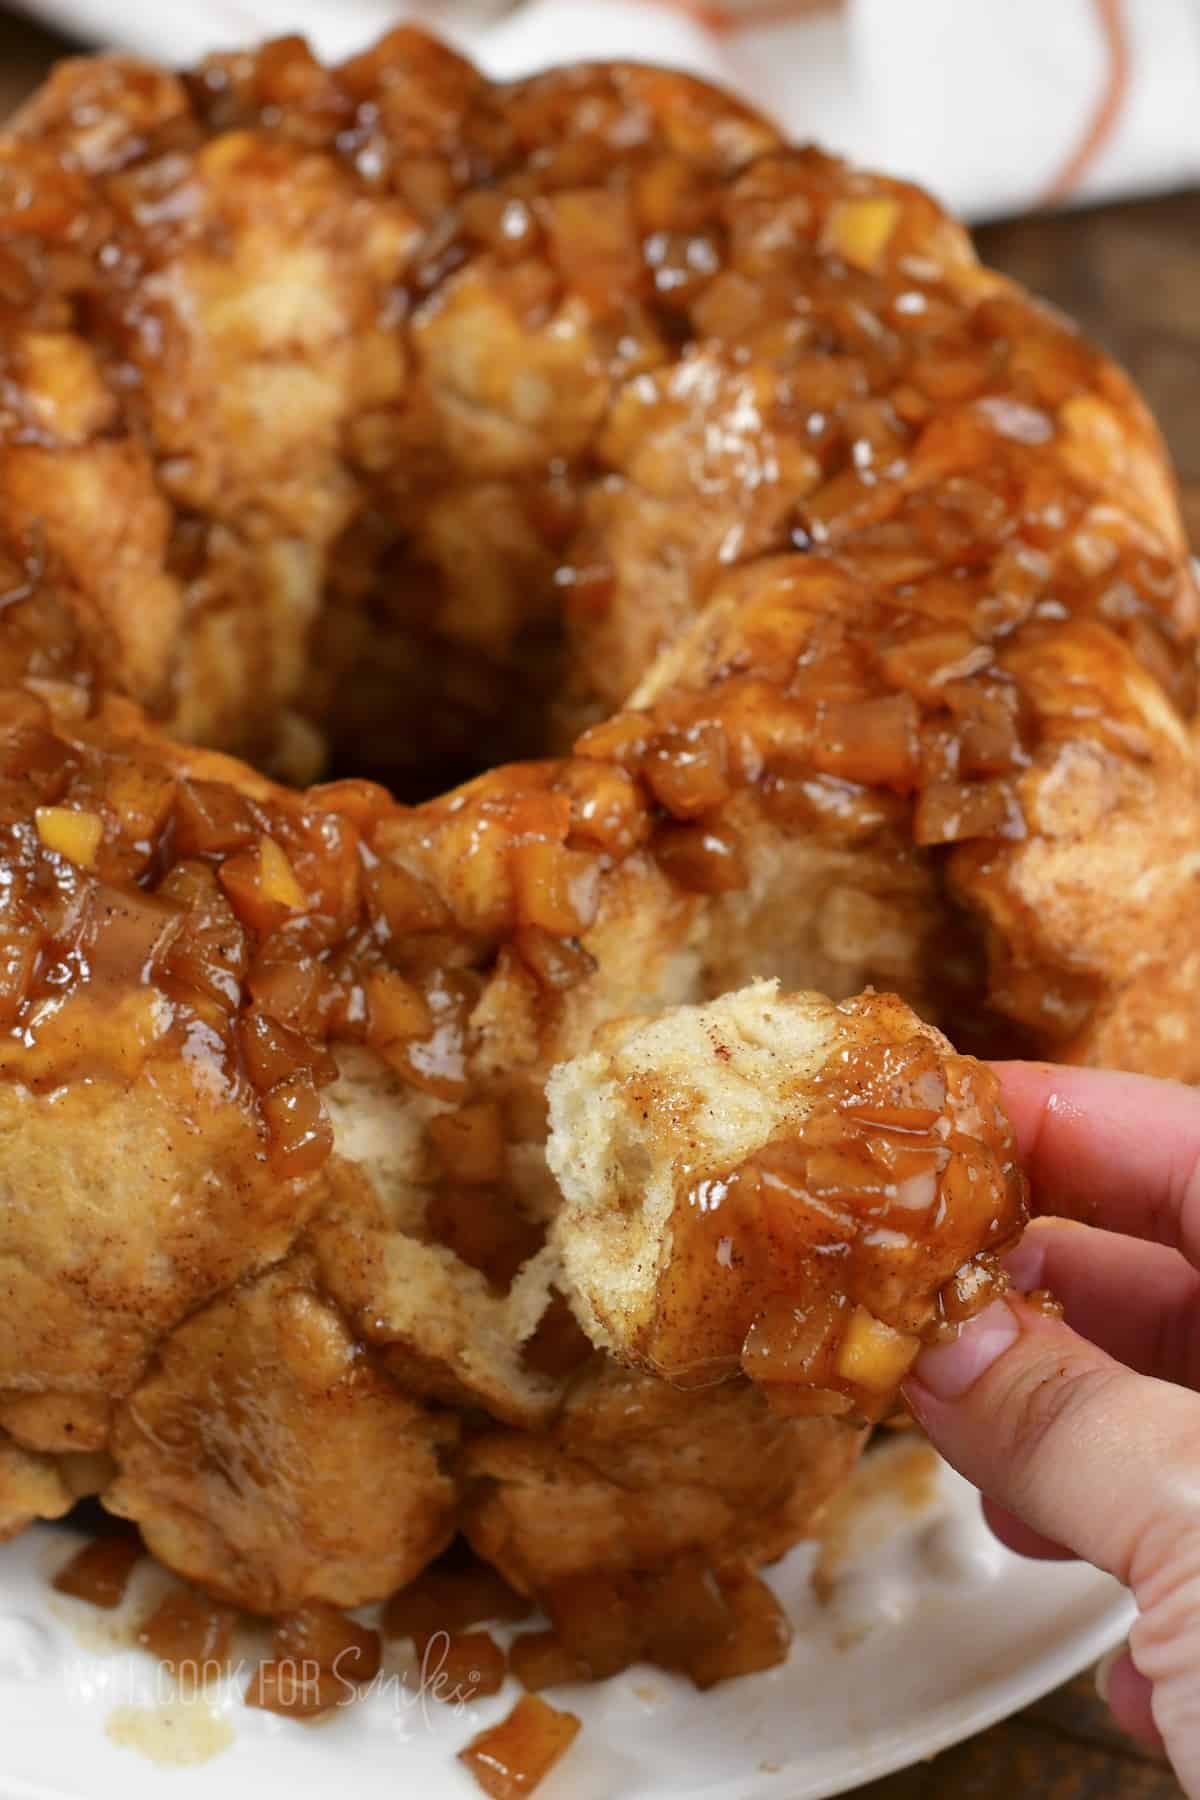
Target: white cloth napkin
[{"x": 997, "y": 105}]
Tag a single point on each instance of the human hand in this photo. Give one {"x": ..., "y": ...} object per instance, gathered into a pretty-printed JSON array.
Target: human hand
[{"x": 1084, "y": 1433}]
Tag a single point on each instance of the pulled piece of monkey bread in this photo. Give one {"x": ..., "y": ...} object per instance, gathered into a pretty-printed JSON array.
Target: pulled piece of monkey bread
[{"x": 779, "y": 1185}]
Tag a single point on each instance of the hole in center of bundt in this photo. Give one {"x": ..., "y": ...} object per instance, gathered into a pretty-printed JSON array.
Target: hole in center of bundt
[{"x": 427, "y": 677}]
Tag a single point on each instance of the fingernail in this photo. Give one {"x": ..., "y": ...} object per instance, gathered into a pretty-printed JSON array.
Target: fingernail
[
  {"x": 1025, "y": 1264},
  {"x": 950, "y": 1369}
]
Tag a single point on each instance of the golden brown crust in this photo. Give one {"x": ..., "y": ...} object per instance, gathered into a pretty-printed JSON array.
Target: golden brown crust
[
  {"x": 266, "y": 1459},
  {"x": 634, "y": 1472},
  {"x": 31, "y": 1487},
  {"x": 387, "y": 408}
]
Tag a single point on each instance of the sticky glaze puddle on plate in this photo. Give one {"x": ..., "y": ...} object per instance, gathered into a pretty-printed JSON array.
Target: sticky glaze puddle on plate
[{"x": 918, "y": 1631}]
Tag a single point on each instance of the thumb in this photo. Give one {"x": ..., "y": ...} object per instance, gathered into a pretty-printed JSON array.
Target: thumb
[{"x": 1093, "y": 1457}]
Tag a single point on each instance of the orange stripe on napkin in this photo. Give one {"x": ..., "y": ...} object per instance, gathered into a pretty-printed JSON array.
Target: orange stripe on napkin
[
  {"x": 724, "y": 21},
  {"x": 1108, "y": 109}
]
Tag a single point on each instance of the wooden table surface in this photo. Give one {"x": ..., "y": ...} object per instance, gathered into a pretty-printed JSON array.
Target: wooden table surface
[{"x": 1131, "y": 275}]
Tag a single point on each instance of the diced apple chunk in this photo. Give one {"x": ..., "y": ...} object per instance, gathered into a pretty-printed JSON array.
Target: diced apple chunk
[
  {"x": 277, "y": 878},
  {"x": 75, "y": 835},
  {"x": 512, "y": 1757},
  {"x": 874, "y": 1356},
  {"x": 858, "y": 230}
]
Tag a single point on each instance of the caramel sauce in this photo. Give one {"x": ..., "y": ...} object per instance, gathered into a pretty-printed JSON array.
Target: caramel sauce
[
  {"x": 821, "y": 1262},
  {"x": 932, "y": 538},
  {"x": 914, "y": 475},
  {"x": 1043, "y": 1301},
  {"x": 181, "y": 1734}
]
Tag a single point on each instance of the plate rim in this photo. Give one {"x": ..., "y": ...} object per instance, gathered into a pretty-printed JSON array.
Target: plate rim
[{"x": 997, "y": 1701}]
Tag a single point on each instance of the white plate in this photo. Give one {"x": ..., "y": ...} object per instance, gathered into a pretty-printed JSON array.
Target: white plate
[{"x": 929, "y": 1632}]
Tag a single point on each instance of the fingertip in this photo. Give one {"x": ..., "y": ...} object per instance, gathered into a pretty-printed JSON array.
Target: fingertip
[
  {"x": 1026, "y": 1089},
  {"x": 948, "y": 1371},
  {"x": 1053, "y": 1429},
  {"x": 1129, "y": 1697},
  {"x": 1107, "y": 1148},
  {"x": 1025, "y": 1264}
]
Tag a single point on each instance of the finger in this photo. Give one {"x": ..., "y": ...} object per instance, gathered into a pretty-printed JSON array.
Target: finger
[
  {"x": 1129, "y": 1697},
  {"x": 1055, "y": 1430},
  {"x": 1094, "y": 1457},
  {"x": 1018, "y": 1537},
  {"x": 1119, "y": 1151},
  {"x": 1140, "y": 1302}
]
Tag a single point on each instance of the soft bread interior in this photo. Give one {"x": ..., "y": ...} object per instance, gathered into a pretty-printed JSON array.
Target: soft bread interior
[
  {"x": 697, "y": 1088},
  {"x": 437, "y": 1324}
]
